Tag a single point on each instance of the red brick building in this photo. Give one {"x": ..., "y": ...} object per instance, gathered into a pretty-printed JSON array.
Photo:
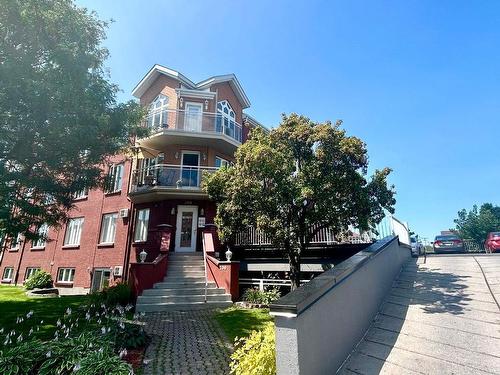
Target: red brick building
[{"x": 155, "y": 199}]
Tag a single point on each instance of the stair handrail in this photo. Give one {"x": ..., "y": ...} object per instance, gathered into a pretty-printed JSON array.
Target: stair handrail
[{"x": 205, "y": 265}]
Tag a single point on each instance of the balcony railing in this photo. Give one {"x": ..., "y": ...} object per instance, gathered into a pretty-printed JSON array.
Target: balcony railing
[
  {"x": 170, "y": 176},
  {"x": 196, "y": 122}
]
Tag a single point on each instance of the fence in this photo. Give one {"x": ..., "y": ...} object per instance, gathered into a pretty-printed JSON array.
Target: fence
[{"x": 255, "y": 237}]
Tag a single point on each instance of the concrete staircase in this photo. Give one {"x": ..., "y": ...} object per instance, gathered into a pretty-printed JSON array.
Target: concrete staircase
[{"x": 183, "y": 288}]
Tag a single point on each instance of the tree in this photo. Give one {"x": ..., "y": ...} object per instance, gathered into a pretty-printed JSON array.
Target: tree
[
  {"x": 59, "y": 118},
  {"x": 296, "y": 180},
  {"x": 477, "y": 224}
]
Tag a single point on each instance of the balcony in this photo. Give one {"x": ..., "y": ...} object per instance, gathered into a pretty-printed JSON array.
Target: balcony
[
  {"x": 193, "y": 127},
  {"x": 168, "y": 181}
]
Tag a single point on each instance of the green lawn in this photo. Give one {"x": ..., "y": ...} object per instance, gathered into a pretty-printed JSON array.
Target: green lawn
[
  {"x": 14, "y": 303},
  {"x": 238, "y": 322}
]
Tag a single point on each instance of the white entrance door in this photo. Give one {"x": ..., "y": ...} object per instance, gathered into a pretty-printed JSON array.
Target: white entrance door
[
  {"x": 185, "y": 232},
  {"x": 194, "y": 114}
]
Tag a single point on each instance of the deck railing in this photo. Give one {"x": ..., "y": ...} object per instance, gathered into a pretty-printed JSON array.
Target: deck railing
[
  {"x": 197, "y": 122},
  {"x": 170, "y": 176},
  {"x": 255, "y": 237}
]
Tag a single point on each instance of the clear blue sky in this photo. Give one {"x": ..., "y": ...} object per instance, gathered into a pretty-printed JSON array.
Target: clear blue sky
[{"x": 419, "y": 81}]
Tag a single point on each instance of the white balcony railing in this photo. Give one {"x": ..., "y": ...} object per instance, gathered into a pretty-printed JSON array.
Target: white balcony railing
[
  {"x": 170, "y": 176},
  {"x": 196, "y": 122}
]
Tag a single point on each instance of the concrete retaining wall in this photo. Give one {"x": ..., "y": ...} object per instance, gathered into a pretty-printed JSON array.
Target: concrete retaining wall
[{"x": 319, "y": 324}]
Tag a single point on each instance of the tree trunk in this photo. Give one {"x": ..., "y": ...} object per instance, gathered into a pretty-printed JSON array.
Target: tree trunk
[{"x": 294, "y": 261}]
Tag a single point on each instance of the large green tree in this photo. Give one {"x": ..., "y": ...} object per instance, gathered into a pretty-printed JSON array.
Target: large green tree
[
  {"x": 59, "y": 117},
  {"x": 476, "y": 224},
  {"x": 295, "y": 180}
]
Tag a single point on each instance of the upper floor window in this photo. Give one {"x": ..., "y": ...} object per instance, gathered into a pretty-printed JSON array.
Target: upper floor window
[
  {"x": 16, "y": 242},
  {"x": 108, "y": 228},
  {"x": 42, "y": 232},
  {"x": 220, "y": 162},
  {"x": 226, "y": 110},
  {"x": 226, "y": 120},
  {"x": 158, "y": 114},
  {"x": 73, "y": 232},
  {"x": 81, "y": 194},
  {"x": 115, "y": 177}
]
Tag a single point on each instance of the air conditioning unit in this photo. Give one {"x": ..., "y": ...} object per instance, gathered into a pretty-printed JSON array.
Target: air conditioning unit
[
  {"x": 118, "y": 271},
  {"x": 124, "y": 213}
]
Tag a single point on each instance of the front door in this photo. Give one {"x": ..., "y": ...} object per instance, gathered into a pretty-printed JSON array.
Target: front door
[
  {"x": 194, "y": 115},
  {"x": 100, "y": 279},
  {"x": 185, "y": 233}
]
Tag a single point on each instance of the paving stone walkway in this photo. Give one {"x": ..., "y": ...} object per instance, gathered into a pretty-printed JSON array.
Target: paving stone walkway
[
  {"x": 441, "y": 317},
  {"x": 186, "y": 342}
]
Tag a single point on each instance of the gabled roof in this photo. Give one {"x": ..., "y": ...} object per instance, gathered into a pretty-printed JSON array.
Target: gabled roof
[
  {"x": 253, "y": 122},
  {"x": 158, "y": 70}
]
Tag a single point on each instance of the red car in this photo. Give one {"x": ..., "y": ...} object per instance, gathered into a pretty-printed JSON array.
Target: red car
[{"x": 492, "y": 243}]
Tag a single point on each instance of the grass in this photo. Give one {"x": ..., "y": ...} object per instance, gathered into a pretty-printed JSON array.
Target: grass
[
  {"x": 239, "y": 322},
  {"x": 14, "y": 302}
]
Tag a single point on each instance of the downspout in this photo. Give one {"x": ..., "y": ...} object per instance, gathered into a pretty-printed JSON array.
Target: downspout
[{"x": 130, "y": 231}]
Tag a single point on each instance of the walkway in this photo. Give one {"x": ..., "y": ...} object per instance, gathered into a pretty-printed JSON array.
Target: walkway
[
  {"x": 440, "y": 318},
  {"x": 186, "y": 342}
]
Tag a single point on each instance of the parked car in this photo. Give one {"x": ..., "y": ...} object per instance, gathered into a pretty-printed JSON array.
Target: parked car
[
  {"x": 448, "y": 243},
  {"x": 492, "y": 243},
  {"x": 416, "y": 247}
]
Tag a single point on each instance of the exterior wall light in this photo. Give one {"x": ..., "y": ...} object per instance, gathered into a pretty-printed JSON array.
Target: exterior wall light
[
  {"x": 172, "y": 211},
  {"x": 181, "y": 102},
  {"x": 206, "y": 104},
  {"x": 143, "y": 255},
  {"x": 202, "y": 212}
]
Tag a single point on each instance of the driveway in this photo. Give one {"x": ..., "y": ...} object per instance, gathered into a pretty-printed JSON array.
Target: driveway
[{"x": 441, "y": 317}]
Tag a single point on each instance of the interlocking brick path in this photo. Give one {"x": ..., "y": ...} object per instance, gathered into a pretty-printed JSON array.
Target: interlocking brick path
[{"x": 186, "y": 342}]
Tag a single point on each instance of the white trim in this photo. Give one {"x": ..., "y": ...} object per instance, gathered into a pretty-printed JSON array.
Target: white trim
[
  {"x": 283, "y": 314},
  {"x": 194, "y": 228},
  {"x": 200, "y": 94},
  {"x": 154, "y": 73},
  {"x": 157, "y": 70}
]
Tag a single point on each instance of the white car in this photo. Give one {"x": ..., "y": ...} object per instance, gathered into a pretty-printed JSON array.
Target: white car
[{"x": 416, "y": 247}]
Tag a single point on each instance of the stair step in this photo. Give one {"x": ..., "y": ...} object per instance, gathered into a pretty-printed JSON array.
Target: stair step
[
  {"x": 181, "y": 306},
  {"x": 189, "y": 279},
  {"x": 183, "y": 299},
  {"x": 182, "y": 291},
  {"x": 180, "y": 283},
  {"x": 184, "y": 274}
]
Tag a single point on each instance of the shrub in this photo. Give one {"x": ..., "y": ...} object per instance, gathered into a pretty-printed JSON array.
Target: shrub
[
  {"x": 40, "y": 279},
  {"x": 261, "y": 297},
  {"x": 24, "y": 358},
  {"x": 119, "y": 294},
  {"x": 255, "y": 354},
  {"x": 129, "y": 335},
  {"x": 103, "y": 363},
  {"x": 63, "y": 356}
]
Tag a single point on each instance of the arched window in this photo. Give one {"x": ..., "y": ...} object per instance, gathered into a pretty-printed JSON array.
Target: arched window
[
  {"x": 158, "y": 114},
  {"x": 226, "y": 120}
]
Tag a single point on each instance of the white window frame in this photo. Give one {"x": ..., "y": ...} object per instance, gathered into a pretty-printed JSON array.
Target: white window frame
[
  {"x": 10, "y": 274},
  {"x": 223, "y": 162},
  {"x": 108, "y": 228},
  {"x": 158, "y": 109},
  {"x": 81, "y": 194},
  {"x": 115, "y": 178},
  {"x": 16, "y": 243},
  {"x": 73, "y": 238},
  {"x": 141, "y": 225},
  {"x": 65, "y": 275},
  {"x": 41, "y": 242},
  {"x": 30, "y": 271}
]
